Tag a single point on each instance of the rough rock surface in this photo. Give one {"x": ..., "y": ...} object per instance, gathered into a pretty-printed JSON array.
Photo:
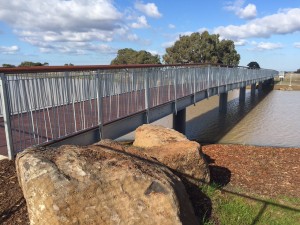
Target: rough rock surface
[
  {"x": 100, "y": 185},
  {"x": 148, "y": 135},
  {"x": 174, "y": 150},
  {"x": 184, "y": 157}
]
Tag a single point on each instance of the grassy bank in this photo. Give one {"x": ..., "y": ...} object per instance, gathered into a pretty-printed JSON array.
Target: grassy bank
[
  {"x": 235, "y": 208},
  {"x": 253, "y": 185}
]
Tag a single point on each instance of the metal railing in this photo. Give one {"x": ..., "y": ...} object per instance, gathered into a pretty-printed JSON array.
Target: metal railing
[{"x": 47, "y": 103}]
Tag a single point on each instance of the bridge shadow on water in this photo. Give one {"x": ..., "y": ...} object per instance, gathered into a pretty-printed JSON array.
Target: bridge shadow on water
[{"x": 211, "y": 126}]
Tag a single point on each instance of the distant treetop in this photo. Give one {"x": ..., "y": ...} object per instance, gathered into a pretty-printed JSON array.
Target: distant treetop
[
  {"x": 253, "y": 65},
  {"x": 8, "y": 65},
  {"x": 28, "y": 63},
  {"x": 130, "y": 56},
  {"x": 202, "y": 48}
]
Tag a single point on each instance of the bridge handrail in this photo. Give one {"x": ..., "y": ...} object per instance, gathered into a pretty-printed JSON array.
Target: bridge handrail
[
  {"x": 58, "y": 101},
  {"x": 47, "y": 69}
]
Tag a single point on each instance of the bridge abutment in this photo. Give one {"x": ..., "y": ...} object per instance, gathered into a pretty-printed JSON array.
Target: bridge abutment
[
  {"x": 223, "y": 102},
  {"x": 179, "y": 121}
]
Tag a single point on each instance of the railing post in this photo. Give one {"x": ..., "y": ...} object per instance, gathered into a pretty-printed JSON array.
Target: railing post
[
  {"x": 100, "y": 103},
  {"x": 208, "y": 77},
  {"x": 67, "y": 77},
  {"x": 194, "y": 84},
  {"x": 175, "y": 91},
  {"x": 219, "y": 77},
  {"x": 147, "y": 94},
  {"x": 6, "y": 116}
]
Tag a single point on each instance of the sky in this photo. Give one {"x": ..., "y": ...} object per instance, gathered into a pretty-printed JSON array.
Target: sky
[{"x": 90, "y": 32}]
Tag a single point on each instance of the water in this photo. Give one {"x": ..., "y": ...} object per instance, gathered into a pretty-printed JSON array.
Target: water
[{"x": 263, "y": 120}]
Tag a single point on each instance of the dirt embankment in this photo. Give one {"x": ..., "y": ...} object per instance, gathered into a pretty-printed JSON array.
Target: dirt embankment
[{"x": 291, "y": 82}]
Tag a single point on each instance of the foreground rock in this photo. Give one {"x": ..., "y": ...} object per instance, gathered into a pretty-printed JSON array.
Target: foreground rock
[
  {"x": 100, "y": 185},
  {"x": 174, "y": 150}
]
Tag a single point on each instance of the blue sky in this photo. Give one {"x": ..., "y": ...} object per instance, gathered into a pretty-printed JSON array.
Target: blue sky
[{"x": 90, "y": 32}]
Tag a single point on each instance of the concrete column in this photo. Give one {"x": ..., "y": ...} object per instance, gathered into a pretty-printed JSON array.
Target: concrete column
[
  {"x": 253, "y": 88},
  {"x": 223, "y": 102},
  {"x": 242, "y": 94},
  {"x": 260, "y": 87},
  {"x": 179, "y": 121}
]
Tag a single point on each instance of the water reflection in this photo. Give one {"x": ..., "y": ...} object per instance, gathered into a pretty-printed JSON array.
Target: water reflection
[
  {"x": 210, "y": 125},
  {"x": 271, "y": 119}
]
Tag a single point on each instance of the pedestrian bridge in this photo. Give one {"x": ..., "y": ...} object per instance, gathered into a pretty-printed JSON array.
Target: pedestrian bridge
[{"x": 82, "y": 104}]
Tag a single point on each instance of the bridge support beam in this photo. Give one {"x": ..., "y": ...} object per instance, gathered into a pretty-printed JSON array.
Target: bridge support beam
[
  {"x": 179, "y": 121},
  {"x": 223, "y": 102},
  {"x": 253, "y": 88},
  {"x": 242, "y": 96}
]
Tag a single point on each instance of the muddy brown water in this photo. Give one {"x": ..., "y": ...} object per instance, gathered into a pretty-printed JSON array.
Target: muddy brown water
[{"x": 271, "y": 119}]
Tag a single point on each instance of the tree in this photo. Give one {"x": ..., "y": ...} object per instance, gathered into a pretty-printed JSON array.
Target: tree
[
  {"x": 8, "y": 65},
  {"x": 202, "y": 48},
  {"x": 130, "y": 56},
  {"x": 28, "y": 63},
  {"x": 253, "y": 65}
]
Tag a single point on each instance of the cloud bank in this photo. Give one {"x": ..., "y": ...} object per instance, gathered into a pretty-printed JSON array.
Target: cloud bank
[
  {"x": 284, "y": 22},
  {"x": 73, "y": 26}
]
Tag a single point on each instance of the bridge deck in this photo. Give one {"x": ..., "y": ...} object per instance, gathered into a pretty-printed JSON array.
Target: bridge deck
[{"x": 49, "y": 104}]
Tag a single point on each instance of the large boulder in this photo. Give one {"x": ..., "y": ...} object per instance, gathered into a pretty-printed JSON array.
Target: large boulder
[
  {"x": 148, "y": 135},
  {"x": 185, "y": 158},
  {"x": 100, "y": 185},
  {"x": 174, "y": 150}
]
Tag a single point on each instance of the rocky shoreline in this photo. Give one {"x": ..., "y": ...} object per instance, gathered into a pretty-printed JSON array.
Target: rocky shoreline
[{"x": 263, "y": 171}]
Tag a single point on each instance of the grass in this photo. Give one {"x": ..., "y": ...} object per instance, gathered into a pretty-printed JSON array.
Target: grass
[{"x": 230, "y": 208}]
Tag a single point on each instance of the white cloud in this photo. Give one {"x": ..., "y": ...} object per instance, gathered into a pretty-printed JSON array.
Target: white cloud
[
  {"x": 150, "y": 9},
  {"x": 77, "y": 48},
  {"x": 297, "y": 44},
  {"x": 56, "y": 24},
  {"x": 248, "y": 12},
  {"x": 171, "y": 26},
  {"x": 261, "y": 46},
  {"x": 9, "y": 49},
  {"x": 241, "y": 42},
  {"x": 283, "y": 22},
  {"x": 141, "y": 23}
]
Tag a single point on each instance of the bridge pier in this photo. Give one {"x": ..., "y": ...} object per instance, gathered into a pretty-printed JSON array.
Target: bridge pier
[
  {"x": 253, "y": 88},
  {"x": 260, "y": 87},
  {"x": 223, "y": 102},
  {"x": 242, "y": 96},
  {"x": 179, "y": 121}
]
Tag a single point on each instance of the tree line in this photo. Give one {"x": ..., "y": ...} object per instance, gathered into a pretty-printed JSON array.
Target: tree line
[
  {"x": 29, "y": 63},
  {"x": 194, "y": 48}
]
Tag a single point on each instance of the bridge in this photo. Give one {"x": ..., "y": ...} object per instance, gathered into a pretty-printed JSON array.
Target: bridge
[{"x": 83, "y": 104}]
